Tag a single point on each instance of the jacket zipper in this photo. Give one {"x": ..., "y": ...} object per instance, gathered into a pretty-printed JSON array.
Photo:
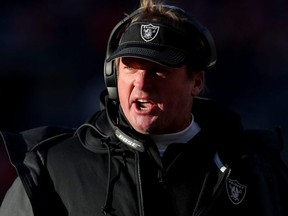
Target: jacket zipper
[{"x": 139, "y": 185}]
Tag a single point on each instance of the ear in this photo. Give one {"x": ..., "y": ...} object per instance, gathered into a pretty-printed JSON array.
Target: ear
[{"x": 198, "y": 83}]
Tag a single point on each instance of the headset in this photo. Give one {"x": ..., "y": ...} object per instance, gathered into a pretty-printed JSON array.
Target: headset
[
  {"x": 130, "y": 137},
  {"x": 110, "y": 73}
]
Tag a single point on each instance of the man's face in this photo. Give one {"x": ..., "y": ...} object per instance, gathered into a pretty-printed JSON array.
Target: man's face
[{"x": 155, "y": 99}]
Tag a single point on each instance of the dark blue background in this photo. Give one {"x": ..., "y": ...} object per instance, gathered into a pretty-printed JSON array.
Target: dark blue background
[{"x": 52, "y": 53}]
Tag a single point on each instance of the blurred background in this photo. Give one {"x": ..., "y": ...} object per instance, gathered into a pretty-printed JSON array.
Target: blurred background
[{"x": 52, "y": 53}]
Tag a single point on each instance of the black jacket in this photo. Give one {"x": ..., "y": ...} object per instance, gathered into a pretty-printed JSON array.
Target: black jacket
[{"x": 223, "y": 170}]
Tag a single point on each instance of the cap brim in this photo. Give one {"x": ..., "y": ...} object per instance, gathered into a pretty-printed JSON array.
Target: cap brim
[{"x": 161, "y": 55}]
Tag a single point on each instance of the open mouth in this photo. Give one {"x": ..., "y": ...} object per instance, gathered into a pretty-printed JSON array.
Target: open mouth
[{"x": 143, "y": 105}]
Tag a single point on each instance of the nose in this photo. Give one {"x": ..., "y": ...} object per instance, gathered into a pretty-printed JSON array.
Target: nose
[{"x": 143, "y": 79}]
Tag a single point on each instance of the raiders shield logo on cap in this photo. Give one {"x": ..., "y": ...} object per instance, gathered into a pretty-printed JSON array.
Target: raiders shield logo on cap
[
  {"x": 149, "y": 32},
  {"x": 236, "y": 191}
]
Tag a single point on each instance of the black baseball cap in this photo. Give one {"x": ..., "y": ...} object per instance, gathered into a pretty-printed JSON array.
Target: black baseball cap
[{"x": 157, "y": 42}]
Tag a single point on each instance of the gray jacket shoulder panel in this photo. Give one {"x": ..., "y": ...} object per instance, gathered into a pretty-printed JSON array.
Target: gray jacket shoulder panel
[{"x": 20, "y": 206}]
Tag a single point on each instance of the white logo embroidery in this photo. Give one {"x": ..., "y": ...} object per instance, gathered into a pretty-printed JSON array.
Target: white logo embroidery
[
  {"x": 236, "y": 191},
  {"x": 149, "y": 32}
]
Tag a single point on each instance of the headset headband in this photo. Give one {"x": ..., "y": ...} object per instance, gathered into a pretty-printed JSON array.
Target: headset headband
[{"x": 110, "y": 74}]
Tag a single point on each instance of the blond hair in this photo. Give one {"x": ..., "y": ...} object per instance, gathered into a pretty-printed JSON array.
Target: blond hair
[{"x": 157, "y": 10}]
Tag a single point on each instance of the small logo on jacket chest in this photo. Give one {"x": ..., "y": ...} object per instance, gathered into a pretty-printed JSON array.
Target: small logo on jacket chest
[{"x": 236, "y": 191}]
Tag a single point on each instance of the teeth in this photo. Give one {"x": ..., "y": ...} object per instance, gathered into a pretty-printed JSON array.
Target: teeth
[
  {"x": 143, "y": 104},
  {"x": 142, "y": 101}
]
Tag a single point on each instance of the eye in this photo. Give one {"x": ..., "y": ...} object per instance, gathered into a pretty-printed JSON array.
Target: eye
[
  {"x": 128, "y": 68},
  {"x": 161, "y": 72}
]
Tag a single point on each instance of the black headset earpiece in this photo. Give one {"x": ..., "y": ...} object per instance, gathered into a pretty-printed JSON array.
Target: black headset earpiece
[{"x": 110, "y": 73}]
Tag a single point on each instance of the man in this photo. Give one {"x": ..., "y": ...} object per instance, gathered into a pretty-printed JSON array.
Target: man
[{"x": 155, "y": 148}]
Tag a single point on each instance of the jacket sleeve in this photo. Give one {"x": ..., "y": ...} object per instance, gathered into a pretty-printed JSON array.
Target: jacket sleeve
[
  {"x": 16, "y": 201},
  {"x": 269, "y": 172},
  {"x": 33, "y": 190}
]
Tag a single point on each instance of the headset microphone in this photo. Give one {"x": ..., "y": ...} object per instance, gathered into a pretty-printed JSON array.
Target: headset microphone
[
  {"x": 126, "y": 137},
  {"x": 133, "y": 143}
]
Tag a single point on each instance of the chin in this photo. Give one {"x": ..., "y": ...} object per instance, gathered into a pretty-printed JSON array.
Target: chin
[{"x": 145, "y": 126}]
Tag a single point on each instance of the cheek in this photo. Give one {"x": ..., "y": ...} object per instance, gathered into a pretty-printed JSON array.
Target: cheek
[
  {"x": 180, "y": 97},
  {"x": 123, "y": 91}
]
